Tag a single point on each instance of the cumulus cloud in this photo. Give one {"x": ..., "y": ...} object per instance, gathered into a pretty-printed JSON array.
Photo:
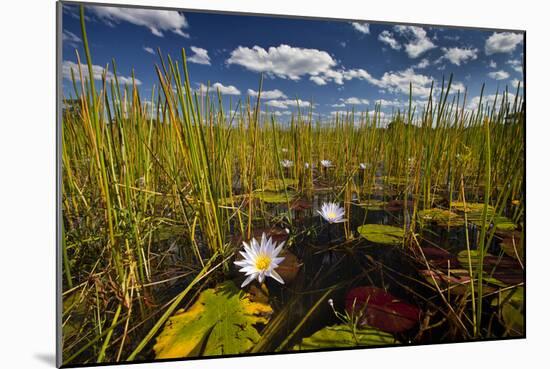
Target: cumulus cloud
[
  {"x": 490, "y": 100},
  {"x": 268, "y": 94},
  {"x": 499, "y": 75},
  {"x": 492, "y": 64},
  {"x": 283, "y": 61},
  {"x": 515, "y": 83},
  {"x": 361, "y": 27},
  {"x": 516, "y": 65},
  {"x": 157, "y": 21},
  {"x": 286, "y": 103},
  {"x": 200, "y": 56},
  {"x": 387, "y": 38},
  {"x": 422, "y": 64},
  {"x": 504, "y": 42},
  {"x": 355, "y": 101},
  {"x": 458, "y": 55},
  {"x": 97, "y": 72},
  {"x": 224, "y": 90},
  {"x": 149, "y": 50},
  {"x": 418, "y": 40}
]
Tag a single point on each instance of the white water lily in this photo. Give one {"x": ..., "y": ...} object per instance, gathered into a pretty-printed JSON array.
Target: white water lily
[
  {"x": 332, "y": 212},
  {"x": 286, "y": 163},
  {"x": 260, "y": 260},
  {"x": 326, "y": 163},
  {"x": 362, "y": 166}
]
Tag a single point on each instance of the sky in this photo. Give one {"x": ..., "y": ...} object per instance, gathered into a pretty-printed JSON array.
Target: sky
[{"x": 333, "y": 64}]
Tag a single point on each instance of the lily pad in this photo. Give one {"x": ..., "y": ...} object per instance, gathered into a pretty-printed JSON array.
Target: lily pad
[
  {"x": 221, "y": 322},
  {"x": 511, "y": 305},
  {"x": 512, "y": 246},
  {"x": 275, "y": 197},
  {"x": 501, "y": 269},
  {"x": 382, "y": 234},
  {"x": 343, "y": 336},
  {"x": 372, "y": 204},
  {"x": 475, "y": 215},
  {"x": 441, "y": 217},
  {"x": 277, "y": 184},
  {"x": 379, "y": 309},
  {"x": 457, "y": 281},
  {"x": 440, "y": 258}
]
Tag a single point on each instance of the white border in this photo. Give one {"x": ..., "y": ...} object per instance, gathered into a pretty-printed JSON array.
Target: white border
[{"x": 27, "y": 182}]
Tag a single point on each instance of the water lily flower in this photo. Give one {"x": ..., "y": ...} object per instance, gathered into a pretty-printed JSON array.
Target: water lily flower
[
  {"x": 286, "y": 163},
  {"x": 260, "y": 260},
  {"x": 326, "y": 163},
  {"x": 306, "y": 165},
  {"x": 332, "y": 212},
  {"x": 362, "y": 166}
]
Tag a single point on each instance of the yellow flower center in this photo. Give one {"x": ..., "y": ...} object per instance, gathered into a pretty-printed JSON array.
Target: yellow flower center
[
  {"x": 263, "y": 262},
  {"x": 331, "y": 215}
]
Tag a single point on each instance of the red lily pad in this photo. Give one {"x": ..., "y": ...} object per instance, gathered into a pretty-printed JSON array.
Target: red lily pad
[{"x": 379, "y": 309}]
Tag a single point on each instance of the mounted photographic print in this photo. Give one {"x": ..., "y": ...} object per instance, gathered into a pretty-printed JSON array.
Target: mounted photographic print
[{"x": 240, "y": 184}]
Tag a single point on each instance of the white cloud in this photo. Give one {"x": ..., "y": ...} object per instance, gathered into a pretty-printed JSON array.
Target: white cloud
[
  {"x": 499, "y": 75},
  {"x": 149, "y": 50},
  {"x": 361, "y": 27},
  {"x": 355, "y": 101},
  {"x": 70, "y": 38},
  {"x": 157, "y": 21},
  {"x": 200, "y": 56},
  {"x": 387, "y": 38},
  {"x": 283, "y": 61},
  {"x": 514, "y": 83},
  {"x": 268, "y": 94},
  {"x": 490, "y": 99},
  {"x": 492, "y": 64},
  {"x": 97, "y": 72},
  {"x": 516, "y": 65},
  {"x": 389, "y": 103},
  {"x": 458, "y": 55},
  {"x": 419, "y": 42},
  {"x": 286, "y": 103},
  {"x": 504, "y": 42},
  {"x": 422, "y": 64},
  {"x": 224, "y": 90},
  {"x": 318, "y": 80},
  {"x": 338, "y": 105}
]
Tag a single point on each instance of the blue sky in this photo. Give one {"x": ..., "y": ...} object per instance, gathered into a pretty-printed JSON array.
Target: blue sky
[{"x": 338, "y": 65}]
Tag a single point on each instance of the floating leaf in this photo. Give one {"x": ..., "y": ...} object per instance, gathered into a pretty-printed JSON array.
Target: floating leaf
[
  {"x": 372, "y": 204},
  {"x": 277, "y": 184},
  {"x": 378, "y": 308},
  {"x": 275, "y": 197},
  {"x": 343, "y": 336},
  {"x": 167, "y": 232},
  {"x": 398, "y": 205},
  {"x": 502, "y": 269},
  {"x": 512, "y": 246},
  {"x": 383, "y": 234},
  {"x": 441, "y": 217},
  {"x": 220, "y": 322},
  {"x": 457, "y": 281},
  {"x": 511, "y": 306},
  {"x": 475, "y": 215}
]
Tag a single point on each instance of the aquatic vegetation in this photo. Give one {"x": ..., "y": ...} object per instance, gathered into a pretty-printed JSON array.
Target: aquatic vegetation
[
  {"x": 382, "y": 234},
  {"x": 260, "y": 260},
  {"x": 158, "y": 198},
  {"x": 332, "y": 212},
  {"x": 345, "y": 336},
  {"x": 380, "y": 309},
  {"x": 221, "y": 322}
]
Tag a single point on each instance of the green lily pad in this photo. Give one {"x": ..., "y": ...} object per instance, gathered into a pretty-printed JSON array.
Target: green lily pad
[
  {"x": 383, "y": 234},
  {"x": 221, "y": 322},
  {"x": 475, "y": 215},
  {"x": 372, "y": 204},
  {"x": 167, "y": 232},
  {"x": 511, "y": 305},
  {"x": 441, "y": 217},
  {"x": 275, "y": 197},
  {"x": 343, "y": 336},
  {"x": 513, "y": 246},
  {"x": 277, "y": 184}
]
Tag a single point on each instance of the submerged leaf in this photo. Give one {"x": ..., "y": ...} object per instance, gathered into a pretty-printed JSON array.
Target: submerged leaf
[
  {"x": 343, "y": 336},
  {"x": 220, "y": 322},
  {"x": 383, "y": 234}
]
